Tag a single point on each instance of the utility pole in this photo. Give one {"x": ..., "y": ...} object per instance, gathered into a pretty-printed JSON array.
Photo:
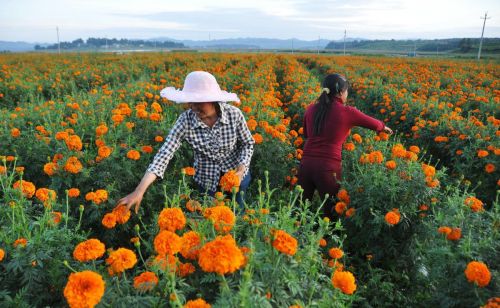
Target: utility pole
[
  {"x": 482, "y": 34},
  {"x": 58, "y": 42},
  {"x": 345, "y": 34}
]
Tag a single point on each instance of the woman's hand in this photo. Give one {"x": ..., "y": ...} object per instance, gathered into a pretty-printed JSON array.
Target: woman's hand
[
  {"x": 388, "y": 130},
  {"x": 240, "y": 171},
  {"x": 132, "y": 199}
]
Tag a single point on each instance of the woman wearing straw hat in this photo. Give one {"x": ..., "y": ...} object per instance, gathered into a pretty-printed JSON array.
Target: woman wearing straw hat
[
  {"x": 217, "y": 132},
  {"x": 326, "y": 126}
]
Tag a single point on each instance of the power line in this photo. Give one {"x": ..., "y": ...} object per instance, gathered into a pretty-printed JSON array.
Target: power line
[{"x": 482, "y": 34}]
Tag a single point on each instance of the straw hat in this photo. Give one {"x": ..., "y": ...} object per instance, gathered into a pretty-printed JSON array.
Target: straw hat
[{"x": 199, "y": 87}]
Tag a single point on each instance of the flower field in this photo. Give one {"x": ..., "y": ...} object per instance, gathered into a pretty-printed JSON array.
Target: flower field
[{"x": 418, "y": 218}]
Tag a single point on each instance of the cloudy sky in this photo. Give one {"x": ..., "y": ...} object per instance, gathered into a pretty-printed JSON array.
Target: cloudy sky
[{"x": 36, "y": 20}]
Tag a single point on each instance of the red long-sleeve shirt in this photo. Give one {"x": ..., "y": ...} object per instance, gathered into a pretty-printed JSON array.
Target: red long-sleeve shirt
[{"x": 339, "y": 120}]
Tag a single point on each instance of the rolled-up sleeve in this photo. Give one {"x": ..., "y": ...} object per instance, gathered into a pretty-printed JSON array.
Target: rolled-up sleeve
[
  {"x": 246, "y": 140},
  {"x": 171, "y": 144}
]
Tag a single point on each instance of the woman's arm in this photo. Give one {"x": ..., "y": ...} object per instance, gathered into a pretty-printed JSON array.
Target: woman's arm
[
  {"x": 135, "y": 197},
  {"x": 247, "y": 143}
]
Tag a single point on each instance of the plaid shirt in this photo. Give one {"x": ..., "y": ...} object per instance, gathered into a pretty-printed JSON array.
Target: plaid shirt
[{"x": 218, "y": 149}]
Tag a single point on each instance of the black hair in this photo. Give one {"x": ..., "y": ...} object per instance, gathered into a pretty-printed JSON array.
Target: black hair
[{"x": 335, "y": 84}]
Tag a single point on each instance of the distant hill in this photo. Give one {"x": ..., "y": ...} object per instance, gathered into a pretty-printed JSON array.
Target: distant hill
[{"x": 16, "y": 46}]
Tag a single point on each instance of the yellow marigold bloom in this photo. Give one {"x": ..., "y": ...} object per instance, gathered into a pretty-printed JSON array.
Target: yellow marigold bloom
[
  {"x": 392, "y": 217},
  {"x": 73, "y": 192},
  {"x": 167, "y": 243},
  {"x": 133, "y": 154},
  {"x": 91, "y": 249},
  {"x": 222, "y": 217},
  {"x": 190, "y": 246},
  {"x": 171, "y": 219},
  {"x": 28, "y": 189},
  {"x": 145, "y": 281},
  {"x": 73, "y": 165},
  {"x": 121, "y": 260},
  {"x": 478, "y": 273},
  {"x": 221, "y": 256},
  {"x": 197, "y": 303},
  {"x": 335, "y": 253},
  {"x": 229, "y": 181},
  {"x": 121, "y": 213},
  {"x": 284, "y": 242},
  {"x": 84, "y": 289},
  {"x": 344, "y": 280},
  {"x": 2, "y": 254},
  {"x": 109, "y": 220}
]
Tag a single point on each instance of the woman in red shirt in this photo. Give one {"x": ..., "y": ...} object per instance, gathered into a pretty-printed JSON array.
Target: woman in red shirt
[{"x": 326, "y": 126}]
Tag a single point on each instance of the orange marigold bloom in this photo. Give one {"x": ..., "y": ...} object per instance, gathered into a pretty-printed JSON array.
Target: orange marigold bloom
[
  {"x": 229, "y": 181},
  {"x": 493, "y": 302},
  {"x": 73, "y": 192},
  {"x": 20, "y": 242},
  {"x": 357, "y": 138},
  {"x": 415, "y": 149},
  {"x": 340, "y": 207},
  {"x": 350, "y": 212},
  {"x": 74, "y": 143},
  {"x": 109, "y": 220},
  {"x": 197, "y": 303},
  {"x": 393, "y": 217},
  {"x": 444, "y": 230},
  {"x": 167, "y": 243},
  {"x": 343, "y": 195},
  {"x": 84, "y": 289},
  {"x": 28, "y": 189},
  {"x": 145, "y": 281},
  {"x": 88, "y": 250},
  {"x": 475, "y": 204},
  {"x": 2, "y": 254},
  {"x": 489, "y": 168},
  {"x": 165, "y": 262},
  {"x": 171, "y": 219},
  {"x": 252, "y": 124},
  {"x": 62, "y": 135},
  {"x": 73, "y": 165},
  {"x": 221, "y": 256},
  {"x": 147, "y": 149},
  {"x": 15, "y": 132},
  {"x": 3, "y": 170},
  {"x": 482, "y": 153},
  {"x": 258, "y": 138},
  {"x": 376, "y": 157},
  {"x": 284, "y": 242},
  {"x": 185, "y": 269},
  {"x": 46, "y": 195},
  {"x": 120, "y": 260},
  {"x": 349, "y": 146},
  {"x": 478, "y": 273},
  {"x": 390, "y": 164},
  {"x": 100, "y": 196},
  {"x": 158, "y": 138},
  {"x": 121, "y": 213},
  {"x": 56, "y": 217},
  {"x": 133, "y": 154},
  {"x": 104, "y": 151},
  {"x": 428, "y": 170},
  {"x": 189, "y": 171},
  {"x": 190, "y": 245},
  {"x": 322, "y": 242},
  {"x": 454, "y": 235},
  {"x": 344, "y": 280},
  {"x": 222, "y": 217},
  {"x": 398, "y": 150},
  {"x": 335, "y": 253},
  {"x": 101, "y": 130},
  {"x": 193, "y": 205}
]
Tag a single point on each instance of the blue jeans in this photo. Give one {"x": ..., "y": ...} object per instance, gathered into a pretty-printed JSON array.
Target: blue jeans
[{"x": 239, "y": 197}]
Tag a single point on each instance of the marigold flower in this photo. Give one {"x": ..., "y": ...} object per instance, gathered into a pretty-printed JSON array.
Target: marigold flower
[
  {"x": 167, "y": 243},
  {"x": 15, "y": 132},
  {"x": 344, "y": 280},
  {"x": 393, "y": 217},
  {"x": 343, "y": 195},
  {"x": 100, "y": 196},
  {"x": 428, "y": 170},
  {"x": 399, "y": 151},
  {"x": 28, "y": 189},
  {"x": 121, "y": 213},
  {"x": 229, "y": 181},
  {"x": 350, "y": 212},
  {"x": 190, "y": 245},
  {"x": 145, "y": 281},
  {"x": 335, "y": 253},
  {"x": 56, "y": 217},
  {"x": 475, "y": 204},
  {"x": 101, "y": 130},
  {"x": 121, "y": 260},
  {"x": 478, "y": 273},
  {"x": 340, "y": 207},
  {"x": 454, "y": 235},
  {"x": 349, "y": 146},
  {"x": 444, "y": 230},
  {"x": 74, "y": 143},
  {"x": 45, "y": 195},
  {"x": 322, "y": 242},
  {"x": 185, "y": 269},
  {"x": 104, "y": 151},
  {"x": 88, "y": 250},
  {"x": 165, "y": 262},
  {"x": 489, "y": 168},
  {"x": 84, "y": 289},
  {"x": 222, "y": 217},
  {"x": 20, "y": 242},
  {"x": 376, "y": 157},
  {"x": 258, "y": 138},
  {"x": 221, "y": 256},
  {"x": 284, "y": 242},
  {"x": 73, "y": 192},
  {"x": 197, "y": 303},
  {"x": 2, "y": 254},
  {"x": 133, "y": 154},
  {"x": 482, "y": 153},
  {"x": 190, "y": 171},
  {"x": 357, "y": 138},
  {"x": 390, "y": 164},
  {"x": 193, "y": 205},
  {"x": 415, "y": 149},
  {"x": 158, "y": 138},
  {"x": 109, "y": 220},
  {"x": 73, "y": 165},
  {"x": 171, "y": 219}
]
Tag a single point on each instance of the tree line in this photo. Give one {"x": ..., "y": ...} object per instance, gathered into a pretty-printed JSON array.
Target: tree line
[{"x": 92, "y": 42}]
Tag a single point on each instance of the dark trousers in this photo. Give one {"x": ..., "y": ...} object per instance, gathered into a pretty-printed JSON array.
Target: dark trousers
[
  {"x": 239, "y": 196},
  {"x": 316, "y": 174}
]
